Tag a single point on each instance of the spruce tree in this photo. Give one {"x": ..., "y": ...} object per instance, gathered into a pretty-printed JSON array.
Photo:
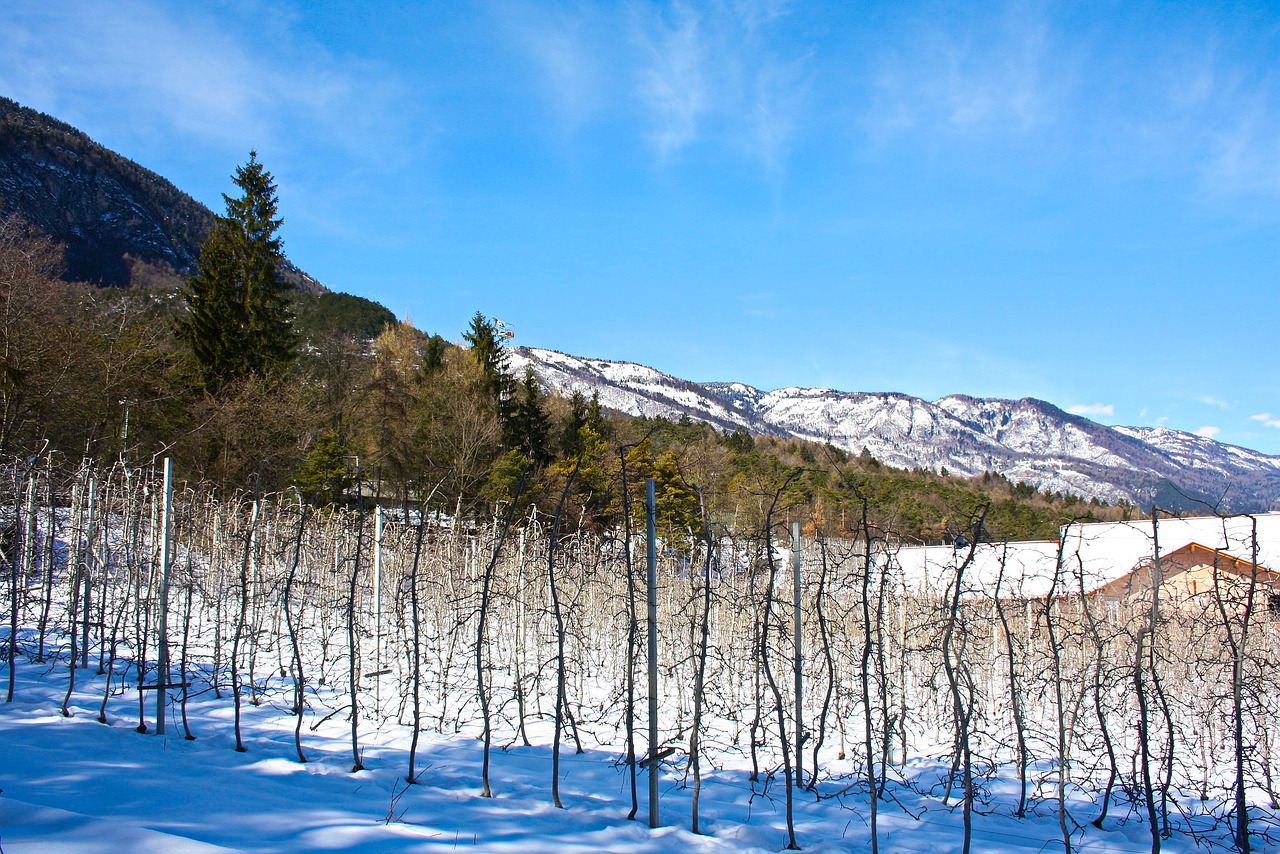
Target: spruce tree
[
  {"x": 571, "y": 440},
  {"x": 595, "y": 417},
  {"x": 323, "y": 478},
  {"x": 528, "y": 429},
  {"x": 238, "y": 320},
  {"x": 487, "y": 350}
]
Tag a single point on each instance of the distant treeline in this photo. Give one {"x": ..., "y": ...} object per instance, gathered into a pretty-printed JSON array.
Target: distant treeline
[{"x": 105, "y": 374}]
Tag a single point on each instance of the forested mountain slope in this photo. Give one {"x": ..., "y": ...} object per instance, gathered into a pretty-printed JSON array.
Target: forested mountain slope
[
  {"x": 1024, "y": 440},
  {"x": 108, "y": 211}
]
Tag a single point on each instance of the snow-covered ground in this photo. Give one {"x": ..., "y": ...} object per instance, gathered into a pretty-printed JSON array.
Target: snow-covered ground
[
  {"x": 242, "y": 580},
  {"x": 73, "y": 785}
]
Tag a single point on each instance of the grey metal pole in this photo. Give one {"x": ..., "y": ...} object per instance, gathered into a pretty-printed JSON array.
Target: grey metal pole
[
  {"x": 799, "y": 666},
  {"x": 166, "y": 563},
  {"x": 88, "y": 573},
  {"x": 651, "y": 524},
  {"x": 377, "y": 608}
]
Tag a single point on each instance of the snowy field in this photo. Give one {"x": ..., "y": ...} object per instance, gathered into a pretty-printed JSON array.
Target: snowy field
[
  {"x": 73, "y": 785},
  {"x": 435, "y": 631}
]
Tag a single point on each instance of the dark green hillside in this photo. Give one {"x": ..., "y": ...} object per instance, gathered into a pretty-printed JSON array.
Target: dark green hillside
[
  {"x": 110, "y": 213},
  {"x": 737, "y": 471},
  {"x": 338, "y": 313}
]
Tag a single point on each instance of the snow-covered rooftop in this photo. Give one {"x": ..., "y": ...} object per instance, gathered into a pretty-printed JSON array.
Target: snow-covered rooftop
[
  {"x": 1108, "y": 550},
  {"x": 1095, "y": 553},
  {"x": 1020, "y": 569}
]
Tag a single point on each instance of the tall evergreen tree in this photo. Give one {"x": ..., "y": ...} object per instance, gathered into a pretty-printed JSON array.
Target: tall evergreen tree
[
  {"x": 324, "y": 477},
  {"x": 571, "y": 439},
  {"x": 528, "y": 429},
  {"x": 486, "y": 349},
  {"x": 237, "y": 320},
  {"x": 595, "y": 416}
]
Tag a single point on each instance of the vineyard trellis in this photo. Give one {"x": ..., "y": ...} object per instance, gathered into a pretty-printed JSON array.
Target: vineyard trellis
[{"x": 1143, "y": 710}]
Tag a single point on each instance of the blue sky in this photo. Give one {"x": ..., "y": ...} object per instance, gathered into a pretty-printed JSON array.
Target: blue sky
[{"x": 1078, "y": 202}]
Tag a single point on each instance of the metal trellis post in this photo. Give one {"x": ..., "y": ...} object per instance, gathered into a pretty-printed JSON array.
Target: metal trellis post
[{"x": 652, "y": 549}]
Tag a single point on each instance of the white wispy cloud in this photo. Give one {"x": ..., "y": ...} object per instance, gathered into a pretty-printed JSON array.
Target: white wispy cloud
[
  {"x": 1208, "y": 432},
  {"x": 1211, "y": 400},
  {"x": 783, "y": 102},
  {"x": 1266, "y": 419},
  {"x": 719, "y": 72},
  {"x": 996, "y": 72},
  {"x": 673, "y": 80},
  {"x": 759, "y": 305},
  {"x": 574, "y": 54},
  {"x": 1201, "y": 102},
  {"x": 1242, "y": 153},
  {"x": 1236, "y": 125},
  {"x": 681, "y": 75},
  {"x": 1092, "y": 410},
  {"x": 1194, "y": 97},
  {"x": 182, "y": 70}
]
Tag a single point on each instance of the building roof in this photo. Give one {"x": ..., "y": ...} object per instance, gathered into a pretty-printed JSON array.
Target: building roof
[
  {"x": 1093, "y": 555},
  {"x": 1105, "y": 551}
]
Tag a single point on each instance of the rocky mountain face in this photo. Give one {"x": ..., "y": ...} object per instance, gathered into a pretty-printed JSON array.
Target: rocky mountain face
[
  {"x": 1025, "y": 440},
  {"x": 108, "y": 211}
]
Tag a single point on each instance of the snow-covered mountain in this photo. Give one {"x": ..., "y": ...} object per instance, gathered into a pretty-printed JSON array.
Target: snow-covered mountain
[{"x": 1024, "y": 440}]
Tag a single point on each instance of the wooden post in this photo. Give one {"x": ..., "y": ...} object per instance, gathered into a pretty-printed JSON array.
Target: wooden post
[{"x": 652, "y": 550}]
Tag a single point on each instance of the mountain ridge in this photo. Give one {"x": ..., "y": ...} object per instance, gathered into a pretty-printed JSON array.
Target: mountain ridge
[
  {"x": 107, "y": 210},
  {"x": 1028, "y": 439}
]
